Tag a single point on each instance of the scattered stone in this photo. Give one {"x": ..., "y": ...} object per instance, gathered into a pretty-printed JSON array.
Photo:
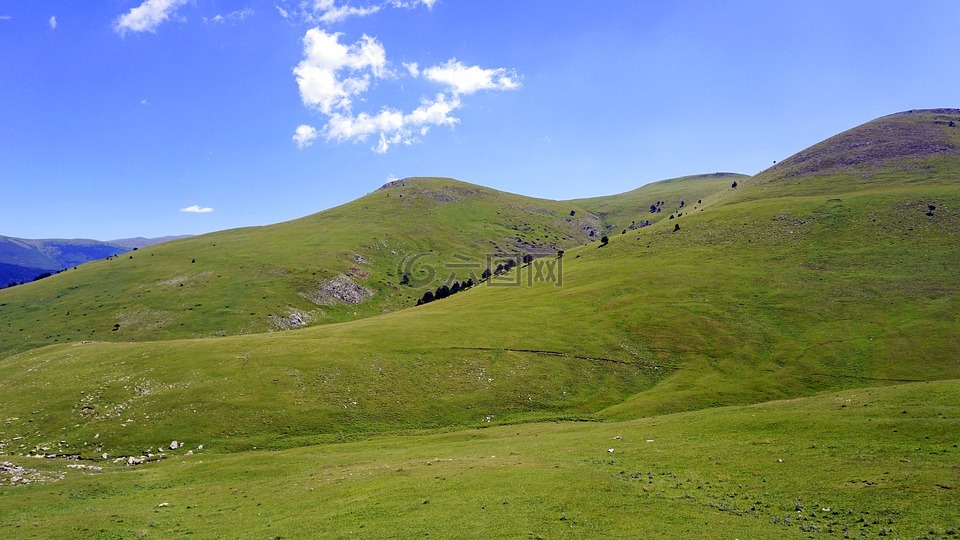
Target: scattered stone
[
  {"x": 85, "y": 467},
  {"x": 13, "y": 474},
  {"x": 339, "y": 290},
  {"x": 174, "y": 445}
]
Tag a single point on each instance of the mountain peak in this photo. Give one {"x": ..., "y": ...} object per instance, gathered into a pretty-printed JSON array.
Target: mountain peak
[{"x": 908, "y": 135}]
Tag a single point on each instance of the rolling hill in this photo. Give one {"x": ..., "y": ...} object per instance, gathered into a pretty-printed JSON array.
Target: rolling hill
[
  {"x": 829, "y": 280},
  {"x": 22, "y": 259},
  {"x": 337, "y": 265},
  {"x": 657, "y": 201}
]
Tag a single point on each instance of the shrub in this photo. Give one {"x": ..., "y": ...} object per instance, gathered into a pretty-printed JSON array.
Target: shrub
[{"x": 604, "y": 241}]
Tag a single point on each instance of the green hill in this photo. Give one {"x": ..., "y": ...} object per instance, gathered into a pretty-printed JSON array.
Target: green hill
[
  {"x": 658, "y": 201},
  {"x": 836, "y": 282},
  {"x": 755, "y": 298},
  {"x": 340, "y": 264}
]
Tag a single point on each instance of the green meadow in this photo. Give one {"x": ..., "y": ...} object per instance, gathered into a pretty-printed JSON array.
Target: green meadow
[{"x": 778, "y": 359}]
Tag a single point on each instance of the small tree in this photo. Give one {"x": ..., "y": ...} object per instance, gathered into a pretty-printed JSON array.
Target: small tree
[
  {"x": 443, "y": 291},
  {"x": 485, "y": 274},
  {"x": 427, "y": 297},
  {"x": 676, "y": 227},
  {"x": 528, "y": 258},
  {"x": 604, "y": 241},
  {"x": 734, "y": 185},
  {"x": 572, "y": 212},
  {"x": 405, "y": 280},
  {"x": 560, "y": 254},
  {"x": 455, "y": 288}
]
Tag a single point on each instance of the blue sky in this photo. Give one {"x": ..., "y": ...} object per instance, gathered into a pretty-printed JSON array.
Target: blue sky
[{"x": 124, "y": 118}]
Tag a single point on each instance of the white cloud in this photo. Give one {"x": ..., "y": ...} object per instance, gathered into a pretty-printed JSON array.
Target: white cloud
[
  {"x": 410, "y": 4},
  {"x": 463, "y": 79},
  {"x": 5, "y": 17},
  {"x": 393, "y": 126},
  {"x": 233, "y": 16},
  {"x": 333, "y": 76},
  {"x": 413, "y": 68},
  {"x": 147, "y": 16},
  {"x": 328, "y": 12},
  {"x": 53, "y": 22},
  {"x": 304, "y": 135},
  {"x": 197, "y": 209},
  {"x": 144, "y": 101},
  {"x": 325, "y": 58}
]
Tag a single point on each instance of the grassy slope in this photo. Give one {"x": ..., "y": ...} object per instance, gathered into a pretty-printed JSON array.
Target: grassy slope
[
  {"x": 776, "y": 290},
  {"x": 243, "y": 279},
  {"x": 753, "y": 299},
  {"x": 618, "y": 212},
  {"x": 857, "y": 463}
]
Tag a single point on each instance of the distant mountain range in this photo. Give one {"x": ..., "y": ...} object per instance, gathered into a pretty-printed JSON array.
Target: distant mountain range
[{"x": 23, "y": 260}]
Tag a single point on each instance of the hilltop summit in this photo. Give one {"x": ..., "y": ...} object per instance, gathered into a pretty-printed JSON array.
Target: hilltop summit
[{"x": 915, "y": 140}]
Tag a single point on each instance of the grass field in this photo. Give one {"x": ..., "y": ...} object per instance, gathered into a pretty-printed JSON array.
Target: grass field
[
  {"x": 809, "y": 315},
  {"x": 865, "y": 463}
]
